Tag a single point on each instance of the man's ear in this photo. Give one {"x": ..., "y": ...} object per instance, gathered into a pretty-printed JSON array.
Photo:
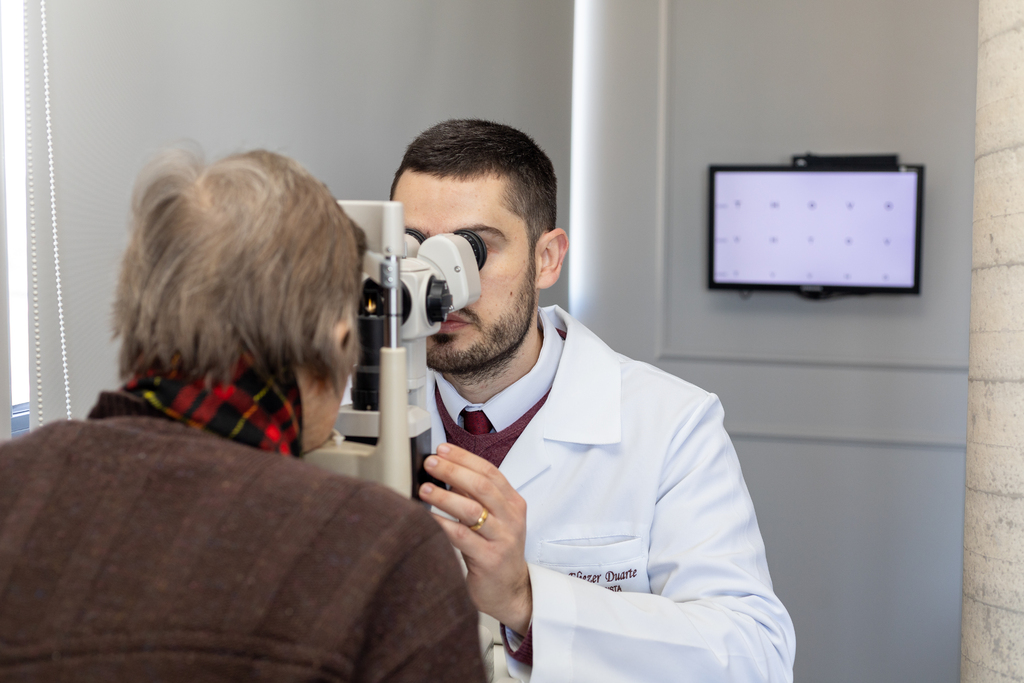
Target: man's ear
[{"x": 550, "y": 252}]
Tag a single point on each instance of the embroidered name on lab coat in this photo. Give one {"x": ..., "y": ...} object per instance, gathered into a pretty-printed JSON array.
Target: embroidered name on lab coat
[{"x": 608, "y": 577}]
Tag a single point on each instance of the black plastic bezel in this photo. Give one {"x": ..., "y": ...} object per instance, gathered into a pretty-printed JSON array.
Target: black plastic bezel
[{"x": 819, "y": 291}]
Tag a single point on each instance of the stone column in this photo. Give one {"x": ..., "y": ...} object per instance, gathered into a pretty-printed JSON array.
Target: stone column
[{"x": 992, "y": 645}]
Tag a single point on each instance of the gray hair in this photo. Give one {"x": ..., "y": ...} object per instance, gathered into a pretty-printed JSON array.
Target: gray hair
[{"x": 247, "y": 254}]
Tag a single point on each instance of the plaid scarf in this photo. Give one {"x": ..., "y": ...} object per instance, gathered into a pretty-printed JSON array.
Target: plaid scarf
[{"x": 251, "y": 409}]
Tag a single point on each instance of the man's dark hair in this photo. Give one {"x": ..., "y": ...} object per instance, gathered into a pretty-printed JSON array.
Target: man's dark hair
[{"x": 470, "y": 148}]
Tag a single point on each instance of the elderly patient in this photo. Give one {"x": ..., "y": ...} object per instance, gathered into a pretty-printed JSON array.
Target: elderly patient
[{"x": 174, "y": 536}]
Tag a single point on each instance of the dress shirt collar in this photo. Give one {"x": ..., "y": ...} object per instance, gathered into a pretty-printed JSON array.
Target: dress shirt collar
[{"x": 511, "y": 403}]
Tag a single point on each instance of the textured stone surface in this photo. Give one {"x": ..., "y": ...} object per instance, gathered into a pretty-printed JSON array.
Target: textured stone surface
[
  {"x": 1000, "y": 100},
  {"x": 996, "y": 469},
  {"x": 995, "y": 193},
  {"x": 992, "y": 645},
  {"x": 995, "y": 414},
  {"x": 993, "y": 526},
  {"x": 993, "y": 581},
  {"x": 997, "y": 298},
  {"x": 996, "y": 356},
  {"x": 998, "y": 16},
  {"x": 970, "y": 671},
  {"x": 999, "y": 240},
  {"x": 999, "y": 73}
]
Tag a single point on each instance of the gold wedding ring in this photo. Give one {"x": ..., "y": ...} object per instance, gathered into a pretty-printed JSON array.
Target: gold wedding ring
[{"x": 480, "y": 522}]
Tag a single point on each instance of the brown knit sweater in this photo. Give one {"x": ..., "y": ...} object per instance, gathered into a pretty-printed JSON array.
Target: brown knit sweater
[{"x": 133, "y": 548}]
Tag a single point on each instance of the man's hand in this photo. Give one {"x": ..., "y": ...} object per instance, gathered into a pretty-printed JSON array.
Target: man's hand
[{"x": 498, "y": 579}]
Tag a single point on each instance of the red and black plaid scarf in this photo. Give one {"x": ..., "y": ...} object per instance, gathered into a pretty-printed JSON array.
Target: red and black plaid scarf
[{"x": 251, "y": 409}]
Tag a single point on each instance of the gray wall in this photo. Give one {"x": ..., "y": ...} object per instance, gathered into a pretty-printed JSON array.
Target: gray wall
[
  {"x": 342, "y": 86},
  {"x": 849, "y": 415}
]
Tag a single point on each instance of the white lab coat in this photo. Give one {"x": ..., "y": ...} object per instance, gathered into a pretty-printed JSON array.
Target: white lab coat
[{"x": 644, "y": 553}]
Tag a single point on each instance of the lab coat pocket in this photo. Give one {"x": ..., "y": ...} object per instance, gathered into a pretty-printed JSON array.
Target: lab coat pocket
[{"x": 613, "y": 562}]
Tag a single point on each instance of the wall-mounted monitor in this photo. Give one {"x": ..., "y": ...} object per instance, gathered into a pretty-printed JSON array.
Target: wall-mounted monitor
[{"x": 816, "y": 229}]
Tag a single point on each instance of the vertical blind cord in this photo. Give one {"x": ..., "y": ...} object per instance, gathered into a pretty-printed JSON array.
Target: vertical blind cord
[
  {"x": 32, "y": 224},
  {"x": 53, "y": 209}
]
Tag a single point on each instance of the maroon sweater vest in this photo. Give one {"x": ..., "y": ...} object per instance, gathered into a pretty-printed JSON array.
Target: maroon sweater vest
[{"x": 491, "y": 447}]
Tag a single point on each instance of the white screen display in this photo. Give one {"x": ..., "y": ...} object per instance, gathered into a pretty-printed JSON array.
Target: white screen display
[{"x": 831, "y": 228}]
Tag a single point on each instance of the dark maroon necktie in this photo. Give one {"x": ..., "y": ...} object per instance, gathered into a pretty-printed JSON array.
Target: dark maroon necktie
[{"x": 475, "y": 422}]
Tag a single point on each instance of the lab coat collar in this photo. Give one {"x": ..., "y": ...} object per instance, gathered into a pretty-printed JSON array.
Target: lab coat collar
[{"x": 585, "y": 404}]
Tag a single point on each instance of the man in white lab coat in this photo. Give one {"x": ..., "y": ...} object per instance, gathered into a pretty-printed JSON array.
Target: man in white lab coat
[{"x": 597, "y": 501}]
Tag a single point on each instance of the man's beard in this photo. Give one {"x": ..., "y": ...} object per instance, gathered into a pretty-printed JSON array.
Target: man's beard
[{"x": 490, "y": 356}]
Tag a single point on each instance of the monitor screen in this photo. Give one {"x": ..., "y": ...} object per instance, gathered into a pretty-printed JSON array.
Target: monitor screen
[{"x": 816, "y": 230}]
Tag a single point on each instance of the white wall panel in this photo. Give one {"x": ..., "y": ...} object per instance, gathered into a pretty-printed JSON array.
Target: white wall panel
[
  {"x": 837, "y": 404},
  {"x": 341, "y": 86},
  {"x": 865, "y": 546}
]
